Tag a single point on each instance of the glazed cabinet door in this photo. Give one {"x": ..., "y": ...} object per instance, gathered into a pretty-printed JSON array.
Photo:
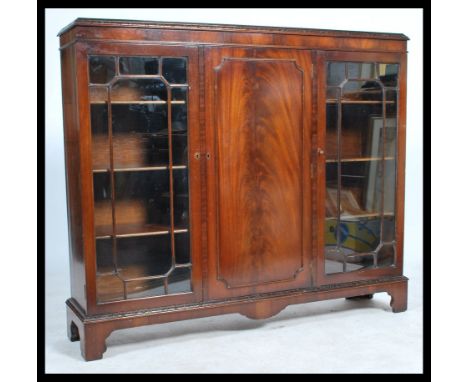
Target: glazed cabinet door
[
  {"x": 144, "y": 183},
  {"x": 258, "y": 143},
  {"x": 361, "y": 164}
]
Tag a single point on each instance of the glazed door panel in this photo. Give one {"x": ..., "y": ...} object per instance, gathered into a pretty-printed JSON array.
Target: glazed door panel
[
  {"x": 143, "y": 131},
  {"x": 361, "y": 103},
  {"x": 258, "y": 135}
]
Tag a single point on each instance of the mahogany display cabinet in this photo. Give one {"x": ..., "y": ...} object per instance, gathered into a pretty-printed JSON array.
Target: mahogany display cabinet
[{"x": 215, "y": 169}]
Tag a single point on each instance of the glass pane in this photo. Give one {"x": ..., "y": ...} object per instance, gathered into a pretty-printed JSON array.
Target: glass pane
[
  {"x": 181, "y": 206},
  {"x": 109, "y": 287},
  {"x": 360, "y": 169},
  {"x": 137, "y": 258},
  {"x": 139, "y": 65},
  {"x": 144, "y": 256},
  {"x": 179, "y": 280},
  {"x": 136, "y": 217},
  {"x": 386, "y": 256},
  {"x": 335, "y": 73},
  {"x": 361, "y": 70},
  {"x": 179, "y": 94},
  {"x": 179, "y": 128},
  {"x": 102, "y": 203},
  {"x": 140, "y": 203},
  {"x": 145, "y": 288},
  {"x": 388, "y": 74},
  {"x": 362, "y": 91},
  {"x": 138, "y": 91},
  {"x": 101, "y": 69},
  {"x": 182, "y": 248},
  {"x": 179, "y": 118},
  {"x": 175, "y": 70},
  {"x": 332, "y": 235},
  {"x": 138, "y": 135}
]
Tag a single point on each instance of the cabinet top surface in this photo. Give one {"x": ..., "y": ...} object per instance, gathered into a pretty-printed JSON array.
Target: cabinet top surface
[{"x": 88, "y": 22}]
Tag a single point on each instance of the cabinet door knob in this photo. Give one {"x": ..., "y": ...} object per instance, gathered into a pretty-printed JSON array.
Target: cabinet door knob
[
  {"x": 198, "y": 155},
  {"x": 320, "y": 151}
]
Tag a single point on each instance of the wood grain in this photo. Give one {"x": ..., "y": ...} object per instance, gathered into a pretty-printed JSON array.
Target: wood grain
[
  {"x": 79, "y": 150},
  {"x": 242, "y": 36},
  {"x": 256, "y": 115},
  {"x": 259, "y": 186},
  {"x": 325, "y": 141},
  {"x": 93, "y": 331},
  {"x": 71, "y": 128},
  {"x": 259, "y": 120}
]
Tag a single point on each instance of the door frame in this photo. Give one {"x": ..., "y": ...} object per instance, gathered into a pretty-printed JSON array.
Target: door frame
[
  {"x": 82, "y": 51},
  {"x": 368, "y": 273},
  {"x": 215, "y": 288}
]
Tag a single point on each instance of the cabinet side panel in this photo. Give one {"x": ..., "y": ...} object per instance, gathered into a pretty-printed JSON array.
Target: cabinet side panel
[{"x": 72, "y": 165}]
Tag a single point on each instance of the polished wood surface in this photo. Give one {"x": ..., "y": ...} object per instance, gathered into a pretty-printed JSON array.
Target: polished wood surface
[
  {"x": 256, "y": 138},
  {"x": 90, "y": 22},
  {"x": 323, "y": 141},
  {"x": 259, "y": 185},
  {"x": 73, "y": 175},
  {"x": 259, "y": 127},
  {"x": 92, "y": 331},
  {"x": 85, "y": 178},
  {"x": 199, "y": 34}
]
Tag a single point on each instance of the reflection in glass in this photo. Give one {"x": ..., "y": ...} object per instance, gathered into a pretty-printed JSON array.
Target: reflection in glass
[
  {"x": 175, "y": 70},
  {"x": 179, "y": 280},
  {"x": 134, "y": 90},
  {"x": 362, "y": 91},
  {"x": 136, "y": 258},
  {"x": 361, "y": 70},
  {"x": 181, "y": 206},
  {"x": 101, "y": 69},
  {"x": 335, "y": 73},
  {"x": 182, "y": 244},
  {"x": 360, "y": 166},
  {"x": 139, "y": 65},
  {"x": 388, "y": 74},
  {"x": 141, "y": 195},
  {"x": 179, "y": 94}
]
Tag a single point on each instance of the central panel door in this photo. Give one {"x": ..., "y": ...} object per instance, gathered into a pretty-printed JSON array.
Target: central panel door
[{"x": 258, "y": 170}]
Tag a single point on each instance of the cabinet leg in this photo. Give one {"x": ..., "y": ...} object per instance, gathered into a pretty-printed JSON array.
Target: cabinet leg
[
  {"x": 72, "y": 328},
  {"x": 363, "y": 297},
  {"x": 93, "y": 342},
  {"x": 92, "y": 336},
  {"x": 399, "y": 295},
  {"x": 72, "y": 332}
]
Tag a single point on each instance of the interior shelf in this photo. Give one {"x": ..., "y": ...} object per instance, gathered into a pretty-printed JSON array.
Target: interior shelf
[
  {"x": 158, "y": 102},
  {"x": 134, "y": 230},
  {"x": 149, "y": 168},
  {"x": 364, "y": 102},
  {"x": 363, "y": 159},
  {"x": 359, "y": 216}
]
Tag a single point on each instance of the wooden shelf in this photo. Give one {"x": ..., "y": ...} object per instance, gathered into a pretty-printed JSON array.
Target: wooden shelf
[
  {"x": 149, "y": 168},
  {"x": 363, "y": 102},
  {"x": 135, "y": 230},
  {"x": 101, "y": 102},
  {"x": 359, "y": 216},
  {"x": 363, "y": 159}
]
